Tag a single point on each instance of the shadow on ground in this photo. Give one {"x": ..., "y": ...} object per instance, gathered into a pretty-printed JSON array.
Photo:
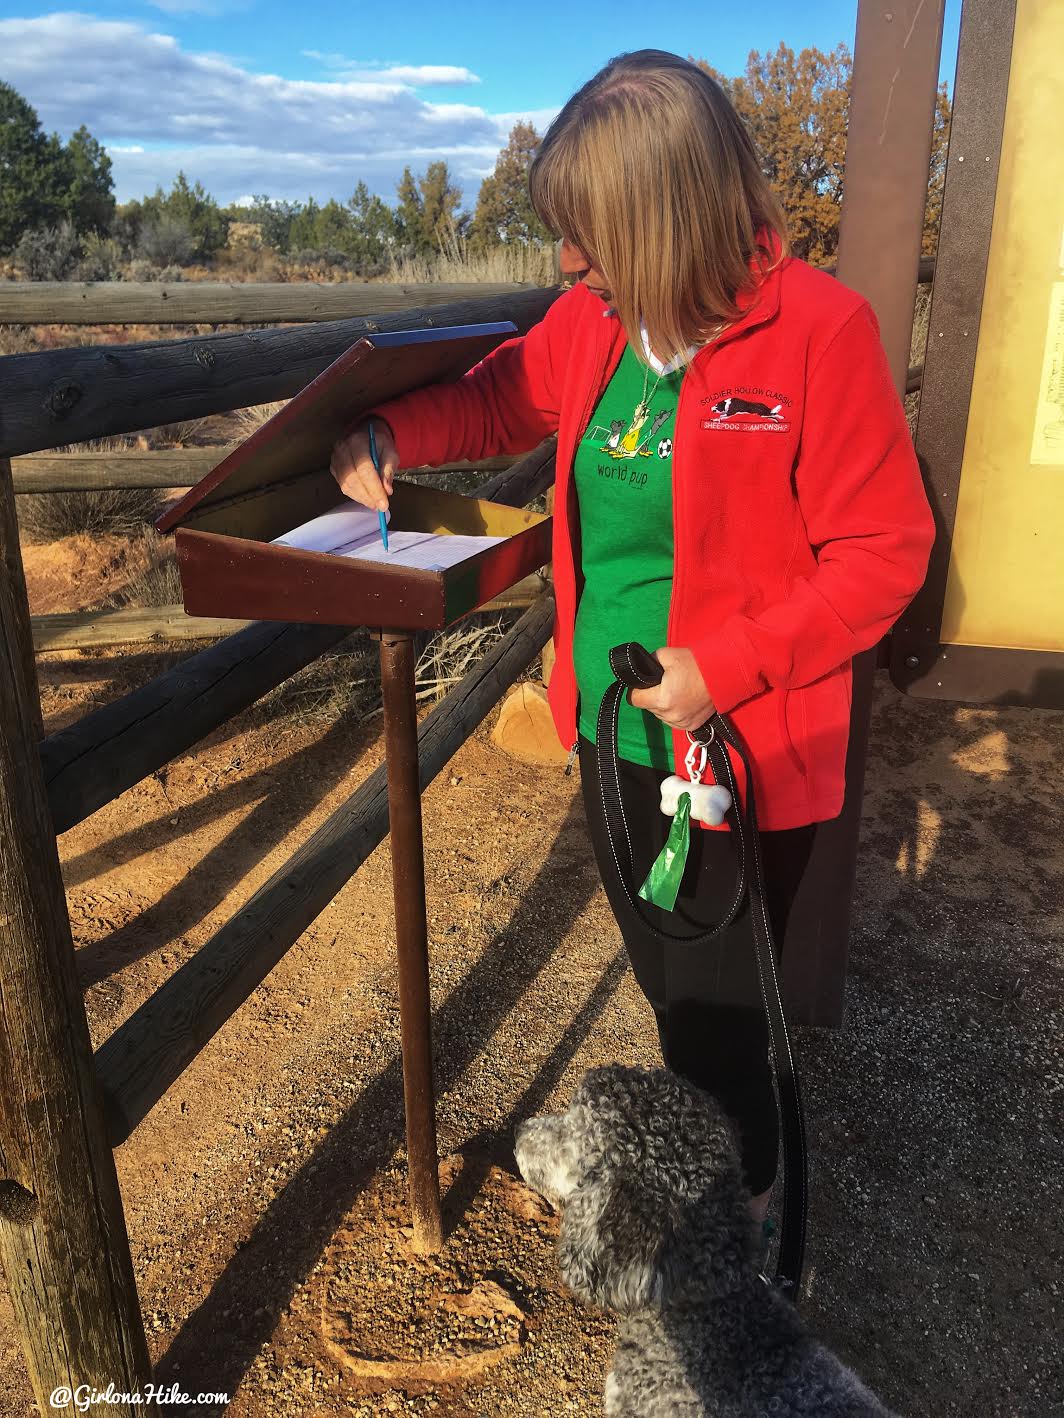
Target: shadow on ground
[{"x": 221, "y": 1338}]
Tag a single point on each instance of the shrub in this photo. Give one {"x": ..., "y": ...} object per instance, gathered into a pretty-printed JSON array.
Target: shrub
[
  {"x": 249, "y": 263},
  {"x": 190, "y": 206},
  {"x": 243, "y": 235},
  {"x": 48, "y": 253},
  {"x": 180, "y": 433},
  {"x": 140, "y": 269},
  {"x": 47, "y": 516},
  {"x": 166, "y": 241},
  {"x": 102, "y": 259},
  {"x": 320, "y": 259}
]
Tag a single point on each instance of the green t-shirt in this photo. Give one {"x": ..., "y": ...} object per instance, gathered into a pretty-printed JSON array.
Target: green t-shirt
[{"x": 623, "y": 473}]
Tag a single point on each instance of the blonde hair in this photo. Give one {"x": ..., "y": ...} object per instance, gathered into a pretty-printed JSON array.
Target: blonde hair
[{"x": 650, "y": 172}]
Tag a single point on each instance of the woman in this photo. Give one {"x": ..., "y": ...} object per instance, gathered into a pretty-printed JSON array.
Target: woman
[{"x": 736, "y": 489}]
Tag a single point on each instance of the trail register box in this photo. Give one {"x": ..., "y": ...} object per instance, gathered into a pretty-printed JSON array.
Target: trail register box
[{"x": 267, "y": 534}]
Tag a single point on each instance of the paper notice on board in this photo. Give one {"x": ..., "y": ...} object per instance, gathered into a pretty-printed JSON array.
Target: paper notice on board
[{"x": 1047, "y": 445}]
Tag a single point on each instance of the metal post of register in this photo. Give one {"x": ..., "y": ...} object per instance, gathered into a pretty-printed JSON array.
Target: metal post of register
[{"x": 411, "y": 931}]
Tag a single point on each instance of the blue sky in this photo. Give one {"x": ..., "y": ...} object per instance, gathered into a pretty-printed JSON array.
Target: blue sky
[{"x": 269, "y": 96}]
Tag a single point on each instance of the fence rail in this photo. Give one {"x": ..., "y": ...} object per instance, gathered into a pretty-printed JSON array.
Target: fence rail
[
  {"x": 55, "y": 397},
  {"x": 225, "y": 302},
  {"x": 161, "y": 468},
  {"x": 240, "y": 303},
  {"x": 137, "y": 625}
]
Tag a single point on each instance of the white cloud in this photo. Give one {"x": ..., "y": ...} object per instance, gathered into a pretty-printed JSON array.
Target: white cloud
[
  {"x": 160, "y": 108},
  {"x": 198, "y": 7},
  {"x": 414, "y": 75},
  {"x": 540, "y": 118}
]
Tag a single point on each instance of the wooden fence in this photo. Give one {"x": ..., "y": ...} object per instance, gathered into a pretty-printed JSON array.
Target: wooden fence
[
  {"x": 176, "y": 469},
  {"x": 222, "y": 303},
  {"x": 226, "y": 303},
  {"x": 62, "y": 1231}
]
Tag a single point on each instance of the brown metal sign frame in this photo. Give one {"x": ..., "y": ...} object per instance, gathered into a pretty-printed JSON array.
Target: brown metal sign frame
[{"x": 920, "y": 664}]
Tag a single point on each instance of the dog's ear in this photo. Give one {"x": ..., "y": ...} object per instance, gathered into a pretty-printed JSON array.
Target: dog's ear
[{"x": 612, "y": 1251}]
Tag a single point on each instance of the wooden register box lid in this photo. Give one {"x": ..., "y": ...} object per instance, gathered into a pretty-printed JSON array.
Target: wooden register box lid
[{"x": 279, "y": 478}]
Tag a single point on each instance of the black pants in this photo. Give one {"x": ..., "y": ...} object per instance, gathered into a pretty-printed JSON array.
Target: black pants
[{"x": 707, "y": 999}]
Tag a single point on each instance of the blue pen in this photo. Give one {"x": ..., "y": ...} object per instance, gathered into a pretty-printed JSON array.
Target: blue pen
[{"x": 381, "y": 519}]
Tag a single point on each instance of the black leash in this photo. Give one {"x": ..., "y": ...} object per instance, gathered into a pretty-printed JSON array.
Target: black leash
[{"x": 635, "y": 668}]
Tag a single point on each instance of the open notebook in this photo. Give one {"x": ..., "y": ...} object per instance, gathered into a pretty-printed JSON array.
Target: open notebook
[{"x": 351, "y": 530}]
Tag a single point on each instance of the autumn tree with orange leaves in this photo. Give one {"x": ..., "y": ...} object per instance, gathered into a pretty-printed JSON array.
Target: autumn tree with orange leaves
[{"x": 795, "y": 107}]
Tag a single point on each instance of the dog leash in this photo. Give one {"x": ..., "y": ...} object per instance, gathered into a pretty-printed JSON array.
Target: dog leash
[{"x": 635, "y": 668}]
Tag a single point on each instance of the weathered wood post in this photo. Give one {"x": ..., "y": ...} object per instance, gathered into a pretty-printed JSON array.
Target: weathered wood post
[
  {"x": 411, "y": 933},
  {"x": 62, "y": 1230}
]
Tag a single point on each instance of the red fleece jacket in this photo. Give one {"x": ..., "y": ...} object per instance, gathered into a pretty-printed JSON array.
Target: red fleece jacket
[{"x": 801, "y": 526}]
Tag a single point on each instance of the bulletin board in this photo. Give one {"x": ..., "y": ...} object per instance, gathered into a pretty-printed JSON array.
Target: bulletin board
[{"x": 988, "y": 626}]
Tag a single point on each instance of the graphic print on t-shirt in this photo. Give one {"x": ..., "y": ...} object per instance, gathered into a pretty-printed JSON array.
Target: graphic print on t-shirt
[
  {"x": 623, "y": 476},
  {"x": 634, "y": 443}
]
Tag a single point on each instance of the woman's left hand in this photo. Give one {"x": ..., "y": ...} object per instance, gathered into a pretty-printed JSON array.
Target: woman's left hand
[{"x": 681, "y": 699}]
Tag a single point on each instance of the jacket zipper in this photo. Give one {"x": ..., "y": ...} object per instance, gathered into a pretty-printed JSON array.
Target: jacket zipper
[
  {"x": 741, "y": 327},
  {"x": 681, "y": 445},
  {"x": 585, "y": 415},
  {"x": 677, "y": 586}
]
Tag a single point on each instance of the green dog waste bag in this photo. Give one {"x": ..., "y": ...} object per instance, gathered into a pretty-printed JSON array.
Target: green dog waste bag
[{"x": 663, "y": 879}]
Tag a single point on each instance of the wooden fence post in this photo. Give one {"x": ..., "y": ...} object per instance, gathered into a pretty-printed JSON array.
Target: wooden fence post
[{"x": 62, "y": 1230}]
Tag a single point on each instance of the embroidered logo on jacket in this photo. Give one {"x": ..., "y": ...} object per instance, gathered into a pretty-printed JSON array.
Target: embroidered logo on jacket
[{"x": 735, "y": 414}]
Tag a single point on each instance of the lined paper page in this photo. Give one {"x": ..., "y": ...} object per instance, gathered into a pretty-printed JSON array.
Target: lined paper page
[
  {"x": 344, "y": 526},
  {"x": 428, "y": 551},
  {"x": 352, "y": 530}
]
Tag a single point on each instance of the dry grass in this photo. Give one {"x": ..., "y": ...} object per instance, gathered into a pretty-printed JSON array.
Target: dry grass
[
  {"x": 530, "y": 265},
  {"x": 182, "y": 433},
  {"x": 249, "y": 419},
  {"x": 17, "y": 339},
  {"x": 158, "y": 583},
  {"x": 346, "y": 682},
  {"x": 921, "y": 316},
  {"x": 47, "y": 516}
]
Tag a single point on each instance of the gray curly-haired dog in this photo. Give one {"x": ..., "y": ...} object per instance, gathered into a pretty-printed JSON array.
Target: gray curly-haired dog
[{"x": 655, "y": 1225}]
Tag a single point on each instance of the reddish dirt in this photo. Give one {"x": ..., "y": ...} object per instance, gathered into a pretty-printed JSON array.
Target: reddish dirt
[{"x": 80, "y": 572}]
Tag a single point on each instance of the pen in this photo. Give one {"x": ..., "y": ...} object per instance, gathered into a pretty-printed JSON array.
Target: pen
[{"x": 381, "y": 519}]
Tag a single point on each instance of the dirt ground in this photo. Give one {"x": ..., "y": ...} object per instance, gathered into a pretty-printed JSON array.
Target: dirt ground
[{"x": 265, "y": 1194}]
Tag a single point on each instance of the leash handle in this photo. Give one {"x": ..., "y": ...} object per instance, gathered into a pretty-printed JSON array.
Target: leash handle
[{"x": 634, "y": 667}]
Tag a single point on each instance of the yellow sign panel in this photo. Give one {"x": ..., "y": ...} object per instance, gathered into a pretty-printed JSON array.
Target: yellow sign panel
[{"x": 1006, "y": 575}]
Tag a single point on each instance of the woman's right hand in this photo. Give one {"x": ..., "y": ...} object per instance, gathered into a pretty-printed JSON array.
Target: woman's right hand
[{"x": 352, "y": 465}]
